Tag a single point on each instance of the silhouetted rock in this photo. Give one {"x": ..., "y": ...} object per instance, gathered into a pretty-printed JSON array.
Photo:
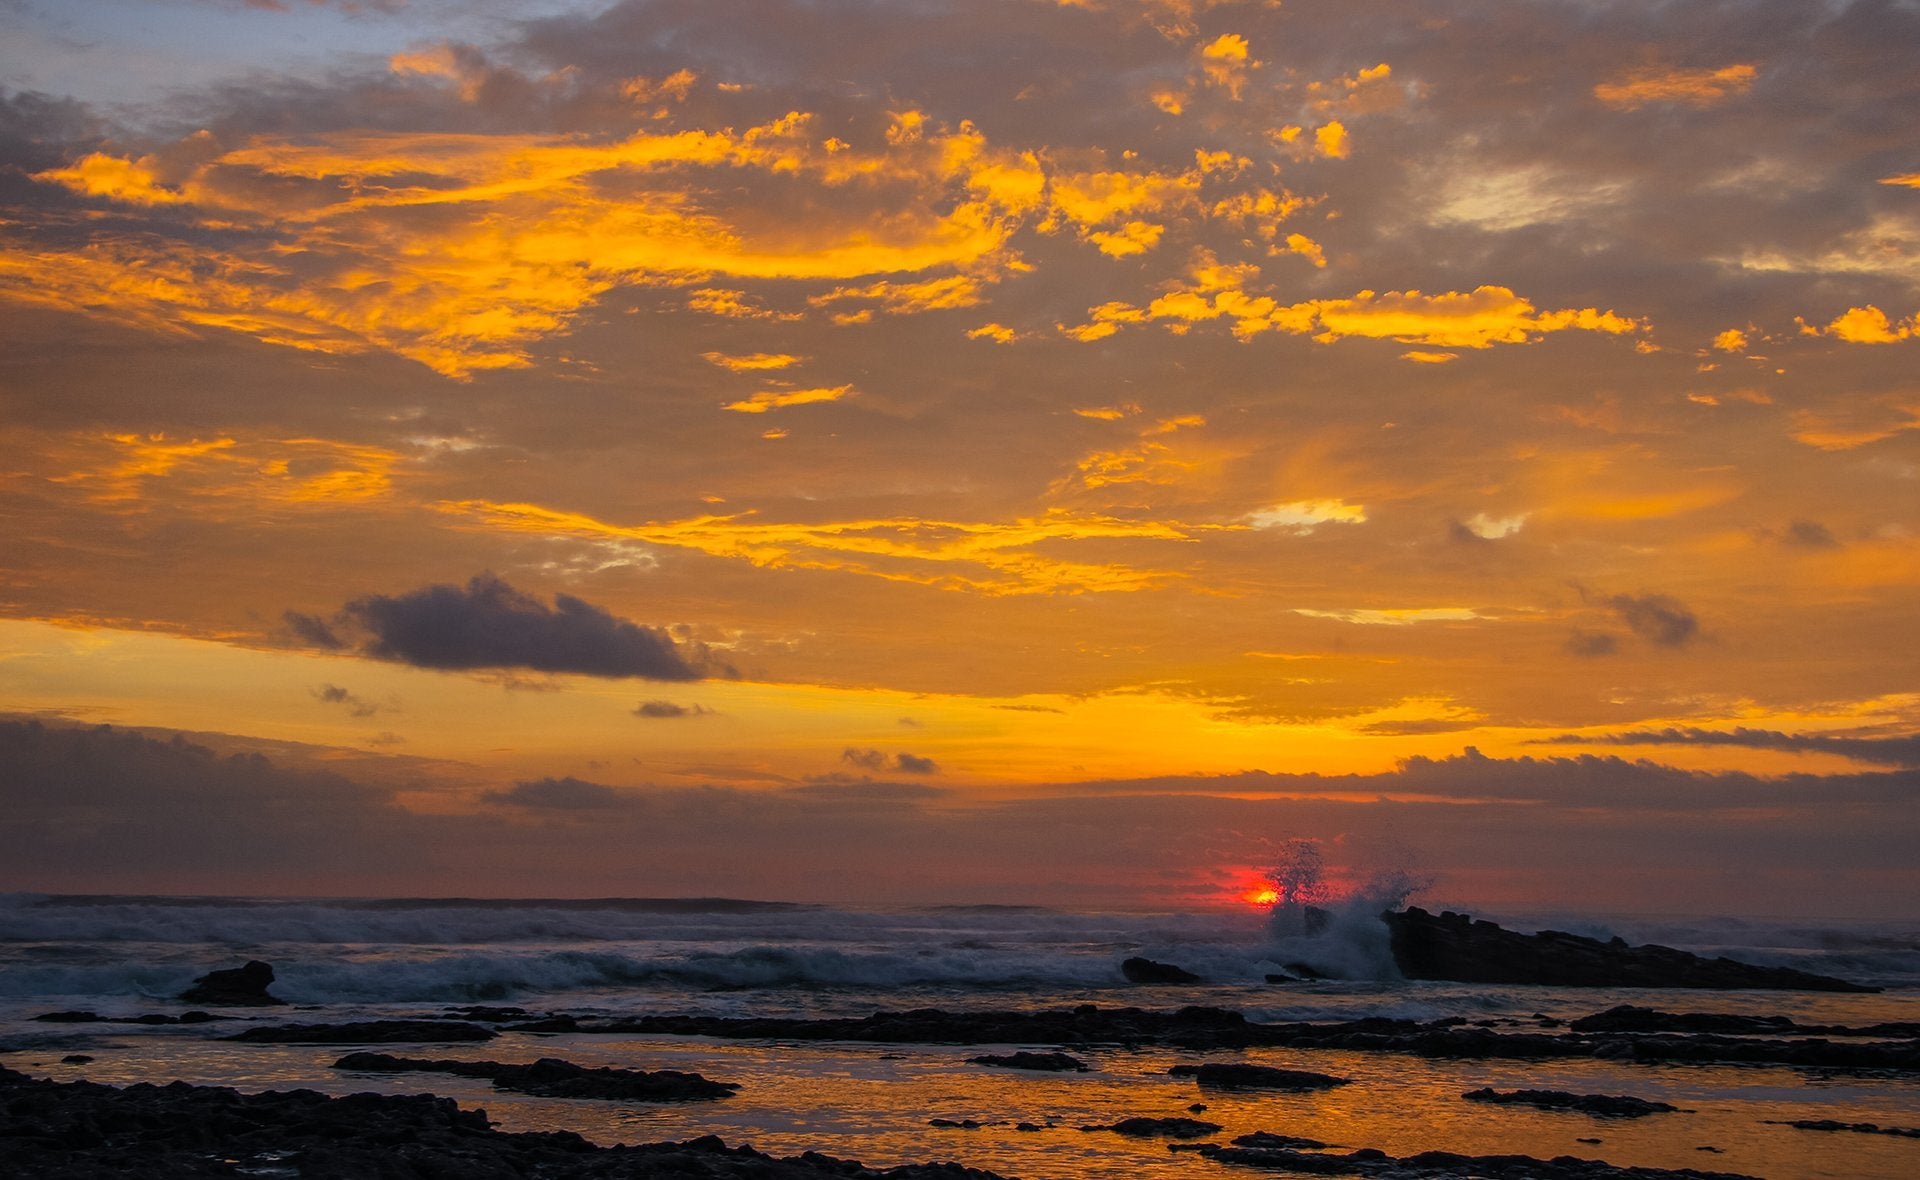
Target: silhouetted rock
[
  {"x": 1269, "y": 1139},
  {"x": 85, "y": 1017},
  {"x": 1053, "y": 1062},
  {"x": 1616, "y": 1106},
  {"x": 551, "y": 1077},
  {"x": 235, "y": 987},
  {"x": 1233, "y": 1075},
  {"x": 1429, "y": 1165},
  {"x": 1834, "y": 1125},
  {"x": 1174, "y": 1128},
  {"x": 1454, "y": 947},
  {"x": 368, "y": 1032},
  {"x": 1627, "y": 1018},
  {"x": 73, "y": 1130},
  {"x": 1139, "y": 970}
]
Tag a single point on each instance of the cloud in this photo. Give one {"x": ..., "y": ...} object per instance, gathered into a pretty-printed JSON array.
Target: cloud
[
  {"x": 333, "y": 694},
  {"x": 1656, "y": 618},
  {"x": 1592, "y": 644},
  {"x": 876, "y": 760},
  {"x": 558, "y": 794},
  {"x": 1303, "y": 516},
  {"x": 489, "y": 624},
  {"x": 780, "y": 399},
  {"x": 668, "y": 710},
  {"x": 1658, "y": 84},
  {"x": 1810, "y": 534},
  {"x": 1867, "y": 325},
  {"x": 1903, "y": 751}
]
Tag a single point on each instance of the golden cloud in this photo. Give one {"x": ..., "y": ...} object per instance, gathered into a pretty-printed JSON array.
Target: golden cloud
[
  {"x": 1700, "y": 88},
  {"x": 780, "y": 399},
  {"x": 459, "y": 251},
  {"x": 1010, "y": 558},
  {"x": 752, "y": 362},
  {"x": 1910, "y": 179},
  {"x": 1867, "y": 325},
  {"x": 225, "y": 475}
]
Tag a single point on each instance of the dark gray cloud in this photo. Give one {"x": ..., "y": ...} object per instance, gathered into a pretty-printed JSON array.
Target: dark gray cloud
[
  {"x": 1901, "y": 751},
  {"x": 312, "y": 631},
  {"x": 878, "y": 760},
  {"x": 91, "y": 808},
  {"x": 1810, "y": 534},
  {"x": 333, "y": 694},
  {"x": 1592, "y": 644},
  {"x": 669, "y": 710},
  {"x": 1656, "y": 618},
  {"x": 489, "y": 624},
  {"x": 558, "y": 794}
]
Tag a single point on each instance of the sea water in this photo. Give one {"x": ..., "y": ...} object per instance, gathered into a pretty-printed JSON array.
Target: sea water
[{"x": 339, "y": 960}]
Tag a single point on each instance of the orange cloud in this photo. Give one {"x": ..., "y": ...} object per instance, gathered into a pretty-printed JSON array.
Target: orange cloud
[
  {"x": 780, "y": 399},
  {"x": 1867, "y": 325},
  {"x": 752, "y": 362},
  {"x": 1011, "y": 558},
  {"x": 241, "y": 475},
  {"x": 909, "y": 298},
  {"x": 1731, "y": 340},
  {"x": 1700, "y": 88},
  {"x": 460, "y": 251},
  {"x": 1910, "y": 179},
  {"x": 1332, "y": 141},
  {"x": 1225, "y": 63}
]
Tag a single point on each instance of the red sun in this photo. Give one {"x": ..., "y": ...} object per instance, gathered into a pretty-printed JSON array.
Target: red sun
[{"x": 1261, "y": 895}]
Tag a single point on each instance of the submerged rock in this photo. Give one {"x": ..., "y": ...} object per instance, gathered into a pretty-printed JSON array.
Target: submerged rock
[
  {"x": 1233, "y": 1075},
  {"x": 366, "y": 1032},
  {"x": 1836, "y": 1125},
  {"x": 1429, "y": 1165},
  {"x": 1455, "y": 947},
  {"x": 551, "y": 1077},
  {"x": 183, "y": 1132},
  {"x": 1139, "y": 970},
  {"x": 1173, "y": 1128},
  {"x": 1052, "y": 1062},
  {"x": 1617, "y": 1106},
  {"x": 235, "y": 987}
]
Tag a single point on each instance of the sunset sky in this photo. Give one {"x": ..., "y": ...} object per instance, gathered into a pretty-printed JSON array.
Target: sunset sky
[{"x": 962, "y": 450}]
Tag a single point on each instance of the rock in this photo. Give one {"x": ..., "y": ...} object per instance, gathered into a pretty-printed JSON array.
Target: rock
[
  {"x": 173, "y": 1132},
  {"x": 1230, "y": 1075},
  {"x": 1268, "y": 1139},
  {"x": 1139, "y": 970},
  {"x": 958, "y": 1124},
  {"x": 71, "y": 1017},
  {"x": 1834, "y": 1125},
  {"x": 1431, "y": 1165},
  {"x": 1454, "y": 947},
  {"x": 75, "y": 1059},
  {"x": 1053, "y": 1062},
  {"x": 369, "y": 1032},
  {"x": 551, "y": 1077},
  {"x": 1619, "y": 1106},
  {"x": 1174, "y": 1128},
  {"x": 1628, "y": 1018},
  {"x": 235, "y": 987},
  {"x": 83, "y": 1017}
]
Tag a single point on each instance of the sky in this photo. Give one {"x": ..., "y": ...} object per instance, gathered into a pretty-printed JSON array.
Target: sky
[{"x": 1012, "y": 451}]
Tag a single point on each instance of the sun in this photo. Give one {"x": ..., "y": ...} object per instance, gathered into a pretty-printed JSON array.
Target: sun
[{"x": 1261, "y": 895}]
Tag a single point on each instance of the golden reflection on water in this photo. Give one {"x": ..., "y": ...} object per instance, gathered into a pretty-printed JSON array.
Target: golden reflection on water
[{"x": 874, "y": 1103}]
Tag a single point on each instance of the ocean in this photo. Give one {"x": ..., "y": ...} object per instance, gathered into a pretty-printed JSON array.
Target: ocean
[{"x": 341, "y": 960}]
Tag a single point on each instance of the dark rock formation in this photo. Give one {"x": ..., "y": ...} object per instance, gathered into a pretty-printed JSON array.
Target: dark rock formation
[
  {"x": 235, "y": 987},
  {"x": 368, "y": 1032},
  {"x": 1616, "y": 1106},
  {"x": 1454, "y": 947},
  {"x": 1834, "y": 1125},
  {"x": 1431, "y": 1164},
  {"x": 1211, "y": 1029},
  {"x": 1269, "y": 1139},
  {"x": 1053, "y": 1062},
  {"x": 1174, "y": 1128},
  {"x": 1139, "y": 970},
  {"x": 1233, "y": 1075},
  {"x": 83, "y": 1017},
  {"x": 551, "y": 1077},
  {"x": 70, "y": 1130},
  {"x": 1627, "y": 1018}
]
